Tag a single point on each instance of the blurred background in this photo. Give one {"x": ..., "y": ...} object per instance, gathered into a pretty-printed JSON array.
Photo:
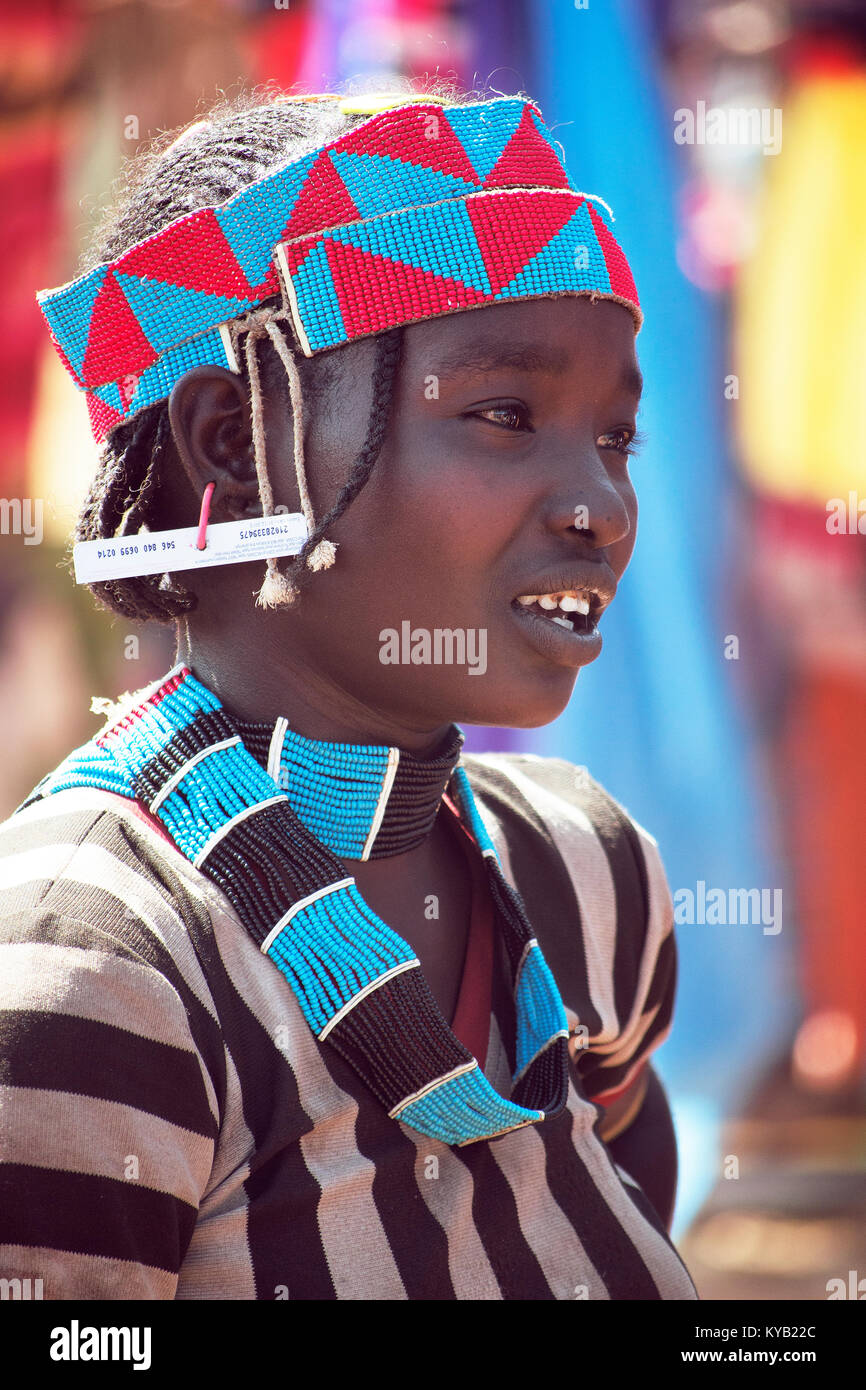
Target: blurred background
[{"x": 727, "y": 711}]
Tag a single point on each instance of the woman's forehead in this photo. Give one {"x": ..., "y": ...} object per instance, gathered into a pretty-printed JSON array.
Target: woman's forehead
[{"x": 545, "y": 334}]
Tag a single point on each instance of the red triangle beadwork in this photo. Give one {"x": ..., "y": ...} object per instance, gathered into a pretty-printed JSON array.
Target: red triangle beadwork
[
  {"x": 405, "y": 136},
  {"x": 193, "y": 254},
  {"x": 621, "y": 279},
  {"x": 103, "y": 418},
  {"x": 507, "y": 239},
  {"x": 373, "y": 290},
  {"x": 324, "y": 201},
  {"x": 527, "y": 160},
  {"x": 115, "y": 334}
]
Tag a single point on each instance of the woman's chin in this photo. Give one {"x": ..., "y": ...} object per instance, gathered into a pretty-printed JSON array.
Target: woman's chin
[{"x": 533, "y": 710}]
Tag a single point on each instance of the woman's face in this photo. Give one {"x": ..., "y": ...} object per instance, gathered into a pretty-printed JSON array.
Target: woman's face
[{"x": 504, "y": 475}]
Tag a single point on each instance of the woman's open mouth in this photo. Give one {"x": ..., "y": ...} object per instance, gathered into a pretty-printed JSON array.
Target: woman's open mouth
[
  {"x": 572, "y": 609},
  {"x": 562, "y": 625}
]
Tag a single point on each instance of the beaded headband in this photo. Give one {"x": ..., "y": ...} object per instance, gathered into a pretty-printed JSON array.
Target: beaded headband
[{"x": 421, "y": 210}]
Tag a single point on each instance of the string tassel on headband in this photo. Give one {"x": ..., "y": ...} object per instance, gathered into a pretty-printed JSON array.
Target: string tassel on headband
[
  {"x": 325, "y": 553},
  {"x": 278, "y": 591}
]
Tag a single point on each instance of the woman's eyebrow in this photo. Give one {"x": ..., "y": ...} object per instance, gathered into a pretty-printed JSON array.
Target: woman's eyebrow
[
  {"x": 480, "y": 357},
  {"x": 491, "y": 357},
  {"x": 631, "y": 381}
]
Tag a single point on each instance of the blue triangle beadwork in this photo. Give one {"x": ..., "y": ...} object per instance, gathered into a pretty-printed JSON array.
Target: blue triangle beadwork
[{"x": 180, "y": 753}]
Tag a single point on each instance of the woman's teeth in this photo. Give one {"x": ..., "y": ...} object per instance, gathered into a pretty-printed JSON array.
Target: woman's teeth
[
  {"x": 569, "y": 603},
  {"x": 566, "y": 602}
]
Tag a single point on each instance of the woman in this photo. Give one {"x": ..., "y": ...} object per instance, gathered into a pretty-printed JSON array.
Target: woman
[{"x": 235, "y": 1080}]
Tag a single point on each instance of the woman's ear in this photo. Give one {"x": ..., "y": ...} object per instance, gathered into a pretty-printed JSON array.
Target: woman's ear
[{"x": 209, "y": 414}]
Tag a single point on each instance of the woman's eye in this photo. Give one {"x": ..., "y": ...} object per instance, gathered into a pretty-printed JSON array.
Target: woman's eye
[
  {"x": 622, "y": 441},
  {"x": 508, "y": 417}
]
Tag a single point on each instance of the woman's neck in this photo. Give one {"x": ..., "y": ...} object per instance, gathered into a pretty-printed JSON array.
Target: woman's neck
[{"x": 260, "y": 690}]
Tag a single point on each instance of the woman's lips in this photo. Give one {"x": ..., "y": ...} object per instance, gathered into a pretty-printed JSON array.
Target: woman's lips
[{"x": 555, "y": 634}]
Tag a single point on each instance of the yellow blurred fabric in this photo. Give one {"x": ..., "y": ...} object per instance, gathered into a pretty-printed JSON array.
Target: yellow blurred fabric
[
  {"x": 800, "y": 326},
  {"x": 62, "y": 455}
]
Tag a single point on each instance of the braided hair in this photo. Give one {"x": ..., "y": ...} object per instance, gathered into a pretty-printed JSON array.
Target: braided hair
[{"x": 236, "y": 144}]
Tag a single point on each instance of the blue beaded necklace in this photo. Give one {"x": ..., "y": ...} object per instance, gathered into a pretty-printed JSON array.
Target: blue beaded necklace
[
  {"x": 272, "y": 851},
  {"x": 364, "y": 801}
]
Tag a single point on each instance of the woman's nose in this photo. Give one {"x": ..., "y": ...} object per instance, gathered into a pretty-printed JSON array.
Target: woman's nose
[{"x": 590, "y": 503}]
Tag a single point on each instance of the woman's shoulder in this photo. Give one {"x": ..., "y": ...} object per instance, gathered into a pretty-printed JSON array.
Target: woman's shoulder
[
  {"x": 107, "y": 960},
  {"x": 556, "y": 797},
  {"x": 595, "y": 892},
  {"x": 93, "y": 856},
  {"x": 572, "y": 849}
]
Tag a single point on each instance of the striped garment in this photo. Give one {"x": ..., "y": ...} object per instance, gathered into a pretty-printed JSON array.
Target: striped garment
[{"x": 171, "y": 1129}]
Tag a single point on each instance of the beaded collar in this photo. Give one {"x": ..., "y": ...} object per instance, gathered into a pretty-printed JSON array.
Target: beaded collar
[
  {"x": 358, "y": 983},
  {"x": 364, "y": 801}
]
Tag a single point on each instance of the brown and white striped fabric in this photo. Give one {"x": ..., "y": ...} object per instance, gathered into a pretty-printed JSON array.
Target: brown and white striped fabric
[{"x": 171, "y": 1129}]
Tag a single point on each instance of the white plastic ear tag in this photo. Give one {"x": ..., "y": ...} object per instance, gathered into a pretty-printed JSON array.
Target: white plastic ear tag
[{"x": 158, "y": 552}]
